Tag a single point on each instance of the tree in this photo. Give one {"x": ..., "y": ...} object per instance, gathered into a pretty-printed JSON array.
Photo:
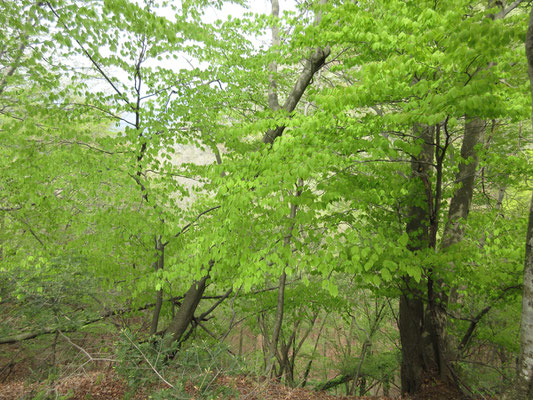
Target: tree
[
  {"x": 384, "y": 165},
  {"x": 525, "y": 368},
  {"x": 404, "y": 82}
]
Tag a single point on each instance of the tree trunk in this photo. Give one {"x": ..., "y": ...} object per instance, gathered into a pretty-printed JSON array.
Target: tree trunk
[
  {"x": 159, "y": 264},
  {"x": 278, "y": 322},
  {"x": 525, "y": 372},
  {"x": 414, "y": 364},
  {"x": 453, "y": 234},
  {"x": 273, "y": 66},
  {"x": 185, "y": 314},
  {"x": 274, "y": 105},
  {"x": 462, "y": 197},
  {"x": 316, "y": 61},
  {"x": 313, "y": 64}
]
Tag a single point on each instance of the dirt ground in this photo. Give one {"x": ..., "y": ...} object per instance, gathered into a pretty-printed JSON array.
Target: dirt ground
[{"x": 106, "y": 386}]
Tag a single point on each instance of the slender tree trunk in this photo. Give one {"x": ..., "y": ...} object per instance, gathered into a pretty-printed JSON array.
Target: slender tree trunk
[
  {"x": 273, "y": 66},
  {"x": 278, "y": 322},
  {"x": 241, "y": 337},
  {"x": 315, "y": 62},
  {"x": 364, "y": 349},
  {"x": 524, "y": 385},
  {"x": 525, "y": 372},
  {"x": 453, "y": 234},
  {"x": 159, "y": 264},
  {"x": 462, "y": 197},
  {"x": 309, "y": 364},
  {"x": 274, "y": 105}
]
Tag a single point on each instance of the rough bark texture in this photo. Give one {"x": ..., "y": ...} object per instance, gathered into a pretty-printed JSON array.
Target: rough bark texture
[
  {"x": 412, "y": 322},
  {"x": 413, "y": 367}
]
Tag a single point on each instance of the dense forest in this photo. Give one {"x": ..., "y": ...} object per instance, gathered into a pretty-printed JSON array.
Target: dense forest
[{"x": 297, "y": 199}]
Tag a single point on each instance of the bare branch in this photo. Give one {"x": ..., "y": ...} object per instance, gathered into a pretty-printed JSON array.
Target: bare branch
[
  {"x": 91, "y": 58},
  {"x": 186, "y": 227}
]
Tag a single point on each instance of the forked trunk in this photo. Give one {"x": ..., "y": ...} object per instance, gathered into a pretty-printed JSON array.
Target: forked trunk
[{"x": 453, "y": 234}]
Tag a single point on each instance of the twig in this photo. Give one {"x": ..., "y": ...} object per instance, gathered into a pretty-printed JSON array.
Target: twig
[
  {"x": 89, "y": 356},
  {"x": 149, "y": 363},
  {"x": 186, "y": 227}
]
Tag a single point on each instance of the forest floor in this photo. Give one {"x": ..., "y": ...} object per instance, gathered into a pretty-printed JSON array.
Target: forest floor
[{"x": 105, "y": 385}]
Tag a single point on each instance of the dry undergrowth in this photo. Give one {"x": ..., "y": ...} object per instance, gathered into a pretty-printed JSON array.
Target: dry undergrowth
[{"x": 98, "y": 385}]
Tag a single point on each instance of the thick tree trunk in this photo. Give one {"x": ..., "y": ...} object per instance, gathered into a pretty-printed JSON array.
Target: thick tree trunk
[
  {"x": 412, "y": 322},
  {"x": 413, "y": 340}
]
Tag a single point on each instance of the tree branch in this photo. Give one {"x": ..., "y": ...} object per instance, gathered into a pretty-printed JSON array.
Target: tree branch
[
  {"x": 91, "y": 58},
  {"x": 53, "y": 329},
  {"x": 313, "y": 64},
  {"x": 506, "y": 10},
  {"x": 481, "y": 314},
  {"x": 186, "y": 227}
]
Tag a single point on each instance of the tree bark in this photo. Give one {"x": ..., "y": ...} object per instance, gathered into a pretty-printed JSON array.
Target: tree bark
[
  {"x": 185, "y": 314},
  {"x": 524, "y": 385},
  {"x": 278, "y": 322},
  {"x": 316, "y": 61},
  {"x": 413, "y": 339},
  {"x": 20, "y": 337},
  {"x": 525, "y": 373}
]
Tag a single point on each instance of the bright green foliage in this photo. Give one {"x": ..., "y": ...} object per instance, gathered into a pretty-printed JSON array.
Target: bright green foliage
[{"x": 102, "y": 101}]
